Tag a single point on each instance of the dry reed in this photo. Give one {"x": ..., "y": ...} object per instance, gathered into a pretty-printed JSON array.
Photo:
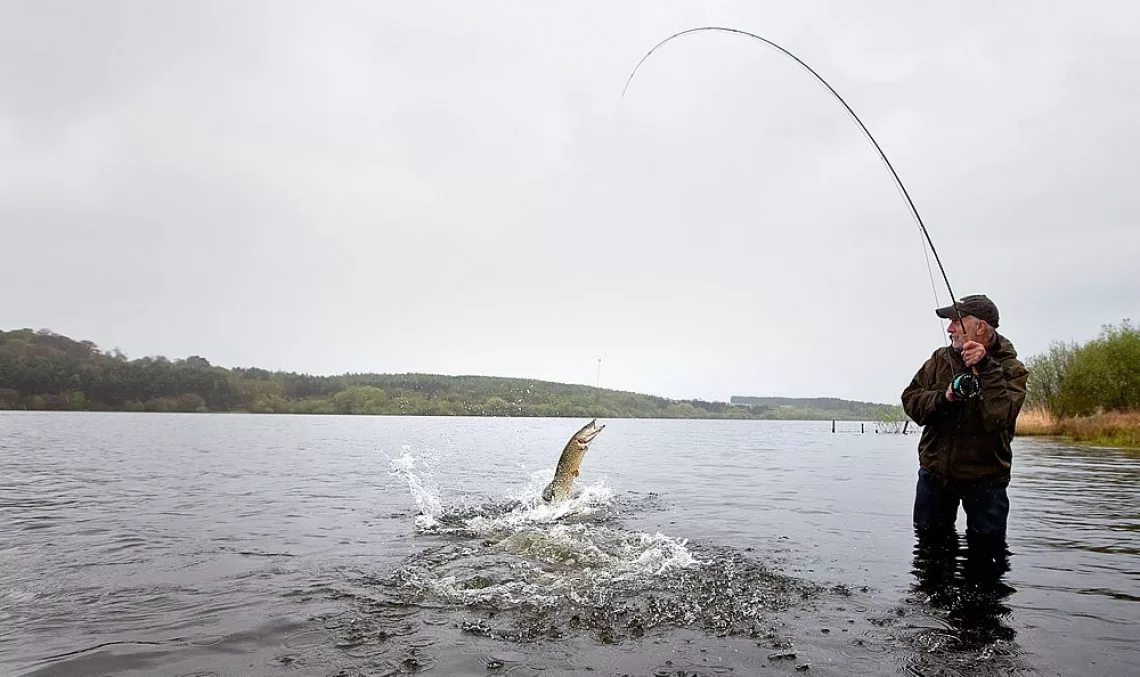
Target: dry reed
[{"x": 1112, "y": 428}]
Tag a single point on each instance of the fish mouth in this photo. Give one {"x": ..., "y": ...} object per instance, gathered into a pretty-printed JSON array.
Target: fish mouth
[{"x": 589, "y": 432}]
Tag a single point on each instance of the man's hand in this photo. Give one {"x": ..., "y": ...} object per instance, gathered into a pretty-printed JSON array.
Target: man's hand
[
  {"x": 973, "y": 353},
  {"x": 950, "y": 393}
]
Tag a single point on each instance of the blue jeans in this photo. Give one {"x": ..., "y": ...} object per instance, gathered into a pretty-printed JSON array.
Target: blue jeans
[{"x": 984, "y": 500}]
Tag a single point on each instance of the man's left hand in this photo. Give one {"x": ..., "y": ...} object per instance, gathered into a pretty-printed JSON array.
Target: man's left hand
[{"x": 973, "y": 353}]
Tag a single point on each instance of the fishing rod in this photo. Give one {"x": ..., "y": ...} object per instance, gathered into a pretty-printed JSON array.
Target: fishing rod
[{"x": 967, "y": 386}]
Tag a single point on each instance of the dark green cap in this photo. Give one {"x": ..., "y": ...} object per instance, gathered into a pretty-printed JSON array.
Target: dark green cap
[{"x": 978, "y": 305}]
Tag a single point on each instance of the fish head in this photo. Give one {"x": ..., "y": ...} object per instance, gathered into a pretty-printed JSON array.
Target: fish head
[{"x": 588, "y": 432}]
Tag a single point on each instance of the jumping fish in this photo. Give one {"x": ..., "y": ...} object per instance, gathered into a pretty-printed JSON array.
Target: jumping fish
[{"x": 567, "y": 469}]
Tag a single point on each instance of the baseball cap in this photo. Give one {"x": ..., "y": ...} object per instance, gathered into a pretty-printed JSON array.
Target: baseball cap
[{"x": 978, "y": 305}]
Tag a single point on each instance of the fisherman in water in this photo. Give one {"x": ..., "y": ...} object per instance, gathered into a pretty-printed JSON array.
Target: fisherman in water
[{"x": 964, "y": 453}]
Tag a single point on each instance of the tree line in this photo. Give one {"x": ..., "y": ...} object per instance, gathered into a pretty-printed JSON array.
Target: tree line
[
  {"x": 42, "y": 370},
  {"x": 1101, "y": 375}
]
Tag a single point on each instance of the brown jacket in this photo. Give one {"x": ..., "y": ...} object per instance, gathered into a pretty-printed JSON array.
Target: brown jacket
[{"x": 967, "y": 439}]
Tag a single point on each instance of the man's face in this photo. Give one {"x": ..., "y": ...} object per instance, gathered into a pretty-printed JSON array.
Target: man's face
[{"x": 965, "y": 330}]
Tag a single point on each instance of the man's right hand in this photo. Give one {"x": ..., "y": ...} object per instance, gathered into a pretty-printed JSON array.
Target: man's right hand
[{"x": 950, "y": 393}]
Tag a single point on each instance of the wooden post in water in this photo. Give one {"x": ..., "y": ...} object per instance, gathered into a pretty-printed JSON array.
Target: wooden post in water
[
  {"x": 861, "y": 428},
  {"x": 905, "y": 424},
  {"x": 833, "y": 425}
]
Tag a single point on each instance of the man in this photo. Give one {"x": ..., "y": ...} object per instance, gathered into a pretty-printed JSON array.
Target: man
[{"x": 964, "y": 451}]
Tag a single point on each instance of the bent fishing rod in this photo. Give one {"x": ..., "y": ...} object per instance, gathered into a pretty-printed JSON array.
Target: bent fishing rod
[{"x": 851, "y": 112}]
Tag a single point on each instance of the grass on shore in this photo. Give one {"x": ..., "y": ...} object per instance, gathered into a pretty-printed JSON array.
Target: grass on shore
[{"x": 1109, "y": 429}]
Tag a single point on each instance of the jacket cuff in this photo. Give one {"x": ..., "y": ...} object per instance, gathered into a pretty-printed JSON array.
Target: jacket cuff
[{"x": 988, "y": 363}]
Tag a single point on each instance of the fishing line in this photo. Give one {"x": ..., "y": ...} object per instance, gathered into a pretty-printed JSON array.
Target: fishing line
[
  {"x": 863, "y": 127},
  {"x": 934, "y": 291}
]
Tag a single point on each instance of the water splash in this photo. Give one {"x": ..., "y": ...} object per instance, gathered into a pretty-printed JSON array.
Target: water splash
[
  {"x": 516, "y": 567},
  {"x": 569, "y": 537},
  {"x": 421, "y": 482},
  {"x": 609, "y": 583},
  {"x": 662, "y": 554},
  {"x": 517, "y": 510}
]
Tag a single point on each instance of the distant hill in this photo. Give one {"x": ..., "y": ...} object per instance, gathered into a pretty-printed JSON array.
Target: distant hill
[
  {"x": 813, "y": 408},
  {"x": 42, "y": 370}
]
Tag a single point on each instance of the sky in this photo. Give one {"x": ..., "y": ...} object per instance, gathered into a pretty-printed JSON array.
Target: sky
[{"x": 462, "y": 188}]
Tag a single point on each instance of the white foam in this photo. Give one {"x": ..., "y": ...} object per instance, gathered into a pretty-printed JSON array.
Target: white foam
[
  {"x": 537, "y": 530},
  {"x": 661, "y": 553},
  {"x": 499, "y": 595},
  {"x": 422, "y": 484}
]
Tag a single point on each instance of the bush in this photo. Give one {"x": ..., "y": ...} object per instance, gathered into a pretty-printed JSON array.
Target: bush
[
  {"x": 1102, "y": 375},
  {"x": 9, "y": 398},
  {"x": 76, "y": 401},
  {"x": 891, "y": 420},
  {"x": 1045, "y": 374},
  {"x": 162, "y": 404},
  {"x": 190, "y": 402}
]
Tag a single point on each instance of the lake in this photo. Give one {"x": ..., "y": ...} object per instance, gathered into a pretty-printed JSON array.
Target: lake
[{"x": 167, "y": 544}]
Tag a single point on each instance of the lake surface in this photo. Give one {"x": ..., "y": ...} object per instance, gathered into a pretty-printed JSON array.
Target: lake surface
[{"x": 166, "y": 544}]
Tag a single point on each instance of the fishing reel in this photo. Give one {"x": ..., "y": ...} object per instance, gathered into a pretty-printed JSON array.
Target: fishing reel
[{"x": 966, "y": 386}]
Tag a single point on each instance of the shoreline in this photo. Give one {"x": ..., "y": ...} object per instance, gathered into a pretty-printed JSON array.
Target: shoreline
[
  {"x": 1108, "y": 429},
  {"x": 869, "y": 422}
]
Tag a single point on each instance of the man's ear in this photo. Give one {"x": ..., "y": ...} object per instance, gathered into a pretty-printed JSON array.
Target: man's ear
[{"x": 981, "y": 327}]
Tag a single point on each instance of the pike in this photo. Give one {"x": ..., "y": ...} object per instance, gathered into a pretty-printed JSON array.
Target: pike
[{"x": 559, "y": 488}]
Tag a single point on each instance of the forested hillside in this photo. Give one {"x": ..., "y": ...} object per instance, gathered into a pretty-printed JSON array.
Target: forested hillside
[
  {"x": 812, "y": 408},
  {"x": 45, "y": 370}
]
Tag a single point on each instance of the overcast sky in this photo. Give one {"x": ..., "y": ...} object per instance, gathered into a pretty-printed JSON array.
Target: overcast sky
[{"x": 460, "y": 188}]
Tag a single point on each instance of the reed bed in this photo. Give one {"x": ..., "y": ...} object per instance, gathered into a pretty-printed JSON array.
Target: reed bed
[{"x": 1110, "y": 428}]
